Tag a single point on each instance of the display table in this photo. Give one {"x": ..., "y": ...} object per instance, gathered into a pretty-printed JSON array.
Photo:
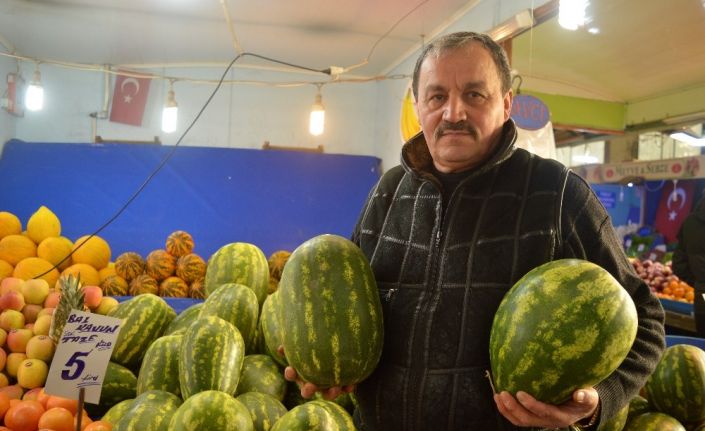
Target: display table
[{"x": 679, "y": 314}]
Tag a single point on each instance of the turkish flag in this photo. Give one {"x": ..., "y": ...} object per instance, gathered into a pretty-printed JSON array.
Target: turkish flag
[
  {"x": 129, "y": 99},
  {"x": 674, "y": 205}
]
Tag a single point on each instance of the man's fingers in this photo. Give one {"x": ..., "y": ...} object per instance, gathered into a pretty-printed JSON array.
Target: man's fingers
[
  {"x": 308, "y": 389},
  {"x": 280, "y": 349},
  {"x": 332, "y": 393},
  {"x": 290, "y": 374}
]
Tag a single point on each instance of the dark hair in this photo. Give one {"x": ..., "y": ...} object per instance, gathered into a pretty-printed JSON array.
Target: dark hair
[{"x": 458, "y": 40}]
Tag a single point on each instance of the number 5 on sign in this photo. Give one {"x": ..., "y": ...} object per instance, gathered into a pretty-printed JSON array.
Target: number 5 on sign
[{"x": 82, "y": 356}]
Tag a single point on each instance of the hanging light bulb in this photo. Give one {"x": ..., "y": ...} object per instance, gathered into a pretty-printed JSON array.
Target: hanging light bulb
[
  {"x": 571, "y": 13},
  {"x": 318, "y": 116},
  {"x": 34, "y": 98},
  {"x": 171, "y": 111}
]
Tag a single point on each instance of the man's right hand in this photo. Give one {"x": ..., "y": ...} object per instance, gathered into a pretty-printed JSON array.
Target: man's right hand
[{"x": 308, "y": 389}]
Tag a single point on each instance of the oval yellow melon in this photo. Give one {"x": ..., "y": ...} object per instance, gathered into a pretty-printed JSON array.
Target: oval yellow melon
[
  {"x": 9, "y": 224},
  {"x": 89, "y": 275},
  {"x": 95, "y": 252},
  {"x": 43, "y": 224},
  {"x": 5, "y": 269},
  {"x": 14, "y": 248},
  {"x": 36, "y": 267},
  {"x": 54, "y": 249}
]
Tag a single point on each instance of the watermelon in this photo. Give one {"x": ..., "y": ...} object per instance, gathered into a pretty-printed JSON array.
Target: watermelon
[
  {"x": 211, "y": 357},
  {"x": 237, "y": 304},
  {"x": 144, "y": 319},
  {"x": 119, "y": 384},
  {"x": 184, "y": 319},
  {"x": 616, "y": 422},
  {"x": 330, "y": 312},
  {"x": 261, "y": 374},
  {"x": 677, "y": 385},
  {"x": 565, "y": 325},
  {"x": 270, "y": 328},
  {"x": 315, "y": 415},
  {"x": 117, "y": 411},
  {"x": 654, "y": 422},
  {"x": 264, "y": 409},
  {"x": 240, "y": 263},
  {"x": 150, "y": 411},
  {"x": 211, "y": 410},
  {"x": 160, "y": 366},
  {"x": 638, "y": 406}
]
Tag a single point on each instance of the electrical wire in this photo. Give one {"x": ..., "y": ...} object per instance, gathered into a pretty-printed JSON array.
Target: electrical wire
[{"x": 167, "y": 156}]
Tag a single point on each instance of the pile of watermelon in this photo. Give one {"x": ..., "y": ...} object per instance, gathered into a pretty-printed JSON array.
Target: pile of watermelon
[{"x": 217, "y": 366}]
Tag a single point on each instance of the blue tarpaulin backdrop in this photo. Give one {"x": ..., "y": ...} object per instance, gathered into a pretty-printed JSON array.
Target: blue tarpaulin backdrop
[{"x": 273, "y": 199}]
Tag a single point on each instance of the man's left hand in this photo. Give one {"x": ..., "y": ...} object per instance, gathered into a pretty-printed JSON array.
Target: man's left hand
[{"x": 527, "y": 411}]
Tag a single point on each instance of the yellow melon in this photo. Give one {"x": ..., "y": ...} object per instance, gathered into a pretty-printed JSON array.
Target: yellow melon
[
  {"x": 43, "y": 224},
  {"x": 14, "y": 248},
  {"x": 107, "y": 272},
  {"x": 5, "y": 269},
  {"x": 9, "y": 224},
  {"x": 89, "y": 275},
  {"x": 94, "y": 251},
  {"x": 54, "y": 249},
  {"x": 36, "y": 267}
]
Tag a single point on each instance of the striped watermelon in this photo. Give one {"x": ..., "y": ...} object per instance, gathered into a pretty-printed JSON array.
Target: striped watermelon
[
  {"x": 159, "y": 264},
  {"x": 654, "y": 422},
  {"x": 330, "y": 312},
  {"x": 264, "y": 409},
  {"x": 160, "y": 366},
  {"x": 677, "y": 385},
  {"x": 117, "y": 411},
  {"x": 270, "y": 328},
  {"x": 240, "y": 263},
  {"x": 316, "y": 415},
  {"x": 616, "y": 422},
  {"x": 237, "y": 304},
  {"x": 184, "y": 319},
  {"x": 638, "y": 406},
  {"x": 144, "y": 319},
  {"x": 211, "y": 410},
  {"x": 261, "y": 374},
  {"x": 150, "y": 411},
  {"x": 119, "y": 384},
  {"x": 211, "y": 357},
  {"x": 565, "y": 325}
]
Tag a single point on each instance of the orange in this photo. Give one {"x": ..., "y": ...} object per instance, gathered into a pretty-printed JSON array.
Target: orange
[
  {"x": 57, "y": 419},
  {"x": 99, "y": 426},
  {"x": 4, "y": 404},
  {"x": 24, "y": 415},
  {"x": 42, "y": 397},
  {"x": 67, "y": 403}
]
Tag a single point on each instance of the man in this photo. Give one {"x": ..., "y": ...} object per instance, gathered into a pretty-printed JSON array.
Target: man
[
  {"x": 447, "y": 234},
  {"x": 689, "y": 259}
]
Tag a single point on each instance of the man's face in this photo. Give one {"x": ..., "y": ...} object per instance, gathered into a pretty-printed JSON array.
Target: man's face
[{"x": 461, "y": 107}]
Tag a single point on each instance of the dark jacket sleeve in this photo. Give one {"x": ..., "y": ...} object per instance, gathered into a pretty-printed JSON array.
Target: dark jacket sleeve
[
  {"x": 680, "y": 263},
  {"x": 587, "y": 233}
]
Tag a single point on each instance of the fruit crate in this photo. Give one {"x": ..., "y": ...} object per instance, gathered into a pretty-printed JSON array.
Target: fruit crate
[
  {"x": 178, "y": 304},
  {"x": 677, "y": 306}
]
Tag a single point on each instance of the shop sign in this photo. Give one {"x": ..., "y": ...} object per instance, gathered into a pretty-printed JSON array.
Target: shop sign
[
  {"x": 683, "y": 168},
  {"x": 529, "y": 112},
  {"x": 82, "y": 356},
  {"x": 608, "y": 199}
]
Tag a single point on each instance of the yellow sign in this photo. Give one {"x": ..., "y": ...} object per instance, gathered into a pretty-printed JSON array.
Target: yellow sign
[{"x": 409, "y": 121}]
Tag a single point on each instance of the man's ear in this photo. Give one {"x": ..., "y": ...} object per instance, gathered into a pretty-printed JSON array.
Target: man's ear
[{"x": 508, "y": 98}]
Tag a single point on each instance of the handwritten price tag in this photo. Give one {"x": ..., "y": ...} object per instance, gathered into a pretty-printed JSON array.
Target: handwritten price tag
[{"x": 82, "y": 356}]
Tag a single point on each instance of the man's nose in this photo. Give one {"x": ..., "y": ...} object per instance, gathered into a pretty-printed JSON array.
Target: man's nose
[{"x": 454, "y": 110}]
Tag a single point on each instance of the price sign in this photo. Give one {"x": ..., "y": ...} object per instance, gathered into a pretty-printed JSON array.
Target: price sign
[{"x": 82, "y": 356}]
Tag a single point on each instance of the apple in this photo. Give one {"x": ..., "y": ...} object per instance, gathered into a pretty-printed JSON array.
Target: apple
[
  {"x": 14, "y": 360},
  {"x": 3, "y": 359},
  {"x": 40, "y": 347},
  {"x": 12, "y": 300},
  {"x": 32, "y": 373},
  {"x": 107, "y": 304},
  {"x": 11, "y": 319},
  {"x": 52, "y": 299},
  {"x": 92, "y": 296},
  {"x": 3, "y": 338},
  {"x": 15, "y": 392},
  {"x": 32, "y": 394},
  {"x": 17, "y": 339},
  {"x": 4, "y": 380},
  {"x": 30, "y": 312},
  {"x": 11, "y": 283},
  {"x": 42, "y": 325},
  {"x": 35, "y": 291}
]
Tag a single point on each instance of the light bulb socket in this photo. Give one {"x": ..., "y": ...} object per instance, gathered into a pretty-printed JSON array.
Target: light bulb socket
[
  {"x": 37, "y": 78},
  {"x": 170, "y": 100}
]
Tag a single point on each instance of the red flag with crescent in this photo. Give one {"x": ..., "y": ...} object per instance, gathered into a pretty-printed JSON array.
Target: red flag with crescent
[
  {"x": 129, "y": 100},
  {"x": 674, "y": 205}
]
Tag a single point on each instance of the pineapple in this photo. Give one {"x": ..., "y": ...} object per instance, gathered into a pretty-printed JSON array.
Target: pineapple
[{"x": 71, "y": 299}]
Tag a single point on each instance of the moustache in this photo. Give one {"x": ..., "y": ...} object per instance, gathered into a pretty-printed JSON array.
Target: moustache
[{"x": 462, "y": 126}]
